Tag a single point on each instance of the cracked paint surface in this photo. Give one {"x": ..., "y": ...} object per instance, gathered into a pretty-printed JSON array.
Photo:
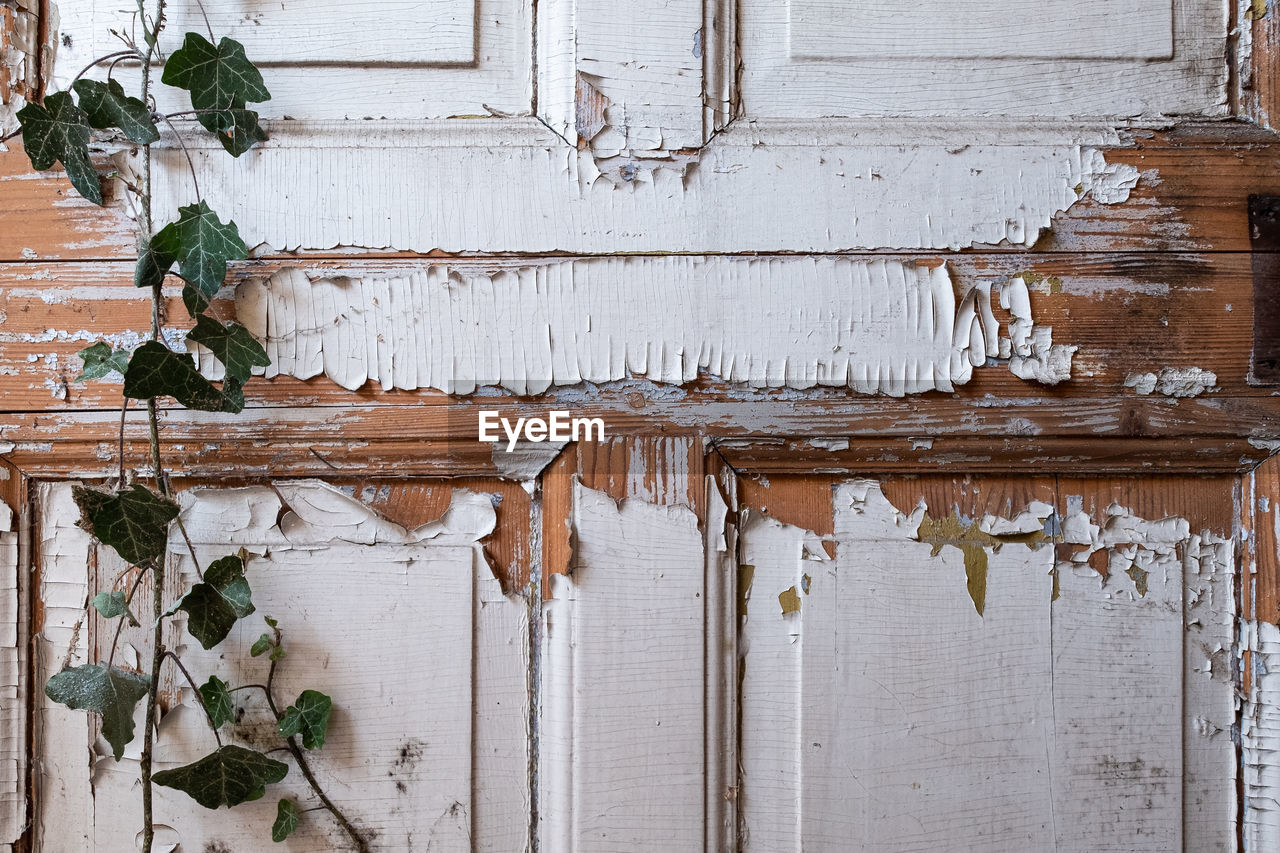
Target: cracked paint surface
[{"x": 876, "y": 327}]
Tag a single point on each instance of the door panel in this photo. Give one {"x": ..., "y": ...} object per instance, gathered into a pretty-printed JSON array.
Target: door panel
[
  {"x": 955, "y": 676},
  {"x": 407, "y": 628}
]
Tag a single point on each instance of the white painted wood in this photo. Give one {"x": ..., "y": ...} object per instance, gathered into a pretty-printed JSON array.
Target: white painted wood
[
  {"x": 13, "y": 717},
  {"x": 428, "y": 741},
  {"x": 516, "y": 187},
  {"x": 1260, "y": 738},
  {"x": 884, "y": 714},
  {"x": 873, "y": 326},
  {"x": 625, "y": 84},
  {"x": 981, "y": 29},
  {"x": 370, "y": 59},
  {"x": 813, "y": 58},
  {"x": 625, "y": 684},
  {"x": 64, "y": 807}
]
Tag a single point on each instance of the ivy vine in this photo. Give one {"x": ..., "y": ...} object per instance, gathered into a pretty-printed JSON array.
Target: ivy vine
[{"x": 135, "y": 519}]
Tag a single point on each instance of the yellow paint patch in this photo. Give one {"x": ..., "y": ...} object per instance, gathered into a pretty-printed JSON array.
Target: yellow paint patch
[
  {"x": 790, "y": 600},
  {"x": 973, "y": 542}
]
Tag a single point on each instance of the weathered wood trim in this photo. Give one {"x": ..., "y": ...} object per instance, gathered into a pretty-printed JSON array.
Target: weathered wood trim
[
  {"x": 1048, "y": 454},
  {"x": 1258, "y": 61}
]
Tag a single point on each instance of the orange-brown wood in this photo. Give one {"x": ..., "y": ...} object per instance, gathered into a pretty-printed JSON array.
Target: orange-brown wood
[
  {"x": 666, "y": 470},
  {"x": 1260, "y": 494},
  {"x": 1260, "y": 75}
]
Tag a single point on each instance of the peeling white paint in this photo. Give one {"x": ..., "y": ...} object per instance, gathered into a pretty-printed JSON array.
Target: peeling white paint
[
  {"x": 1174, "y": 382},
  {"x": 873, "y": 326},
  {"x": 1030, "y": 348},
  {"x": 1260, "y": 737},
  {"x": 526, "y": 461},
  {"x": 19, "y": 57},
  {"x": 1029, "y": 728}
]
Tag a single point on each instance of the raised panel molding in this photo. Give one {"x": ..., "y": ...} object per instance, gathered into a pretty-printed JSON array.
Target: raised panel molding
[
  {"x": 635, "y": 91},
  {"x": 980, "y": 29},
  {"x": 386, "y": 60},
  {"x": 635, "y": 706},
  {"x": 1066, "y": 59}
]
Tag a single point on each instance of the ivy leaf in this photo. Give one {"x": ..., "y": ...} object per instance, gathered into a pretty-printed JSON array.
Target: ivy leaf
[
  {"x": 239, "y": 130},
  {"x": 228, "y": 776},
  {"x": 309, "y": 716},
  {"x": 106, "y": 105},
  {"x": 232, "y": 345},
  {"x": 113, "y": 604},
  {"x": 216, "y": 696},
  {"x": 286, "y": 821},
  {"x": 59, "y": 131},
  {"x": 214, "y": 605},
  {"x": 260, "y": 646},
  {"x": 133, "y": 522},
  {"x": 218, "y": 78},
  {"x": 277, "y": 653},
  {"x": 109, "y": 691},
  {"x": 156, "y": 371},
  {"x": 100, "y": 360},
  {"x": 157, "y": 257},
  {"x": 202, "y": 245},
  {"x": 195, "y": 301}
]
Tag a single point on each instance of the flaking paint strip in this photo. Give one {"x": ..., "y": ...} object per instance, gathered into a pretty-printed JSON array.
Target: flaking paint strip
[
  {"x": 877, "y": 327},
  {"x": 1260, "y": 737},
  {"x": 19, "y": 57}
]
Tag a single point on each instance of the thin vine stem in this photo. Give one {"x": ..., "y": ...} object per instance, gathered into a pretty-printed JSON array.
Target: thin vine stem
[
  {"x": 157, "y": 598},
  {"x": 208, "y": 715},
  {"x": 191, "y": 164},
  {"x": 305, "y": 767}
]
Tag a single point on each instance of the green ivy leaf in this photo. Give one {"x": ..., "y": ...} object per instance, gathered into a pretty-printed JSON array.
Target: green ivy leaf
[
  {"x": 157, "y": 257},
  {"x": 106, "y": 105},
  {"x": 133, "y": 522},
  {"x": 113, "y": 604},
  {"x": 59, "y": 131},
  {"x": 286, "y": 821},
  {"x": 260, "y": 646},
  {"x": 309, "y": 716},
  {"x": 100, "y": 360},
  {"x": 202, "y": 245},
  {"x": 277, "y": 653},
  {"x": 214, "y": 605},
  {"x": 228, "y": 776},
  {"x": 157, "y": 371},
  {"x": 239, "y": 130},
  {"x": 216, "y": 695},
  {"x": 109, "y": 691},
  {"x": 218, "y": 78},
  {"x": 232, "y": 345}
]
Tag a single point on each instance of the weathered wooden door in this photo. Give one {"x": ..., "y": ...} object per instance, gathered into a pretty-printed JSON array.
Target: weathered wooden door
[{"x": 933, "y": 346}]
